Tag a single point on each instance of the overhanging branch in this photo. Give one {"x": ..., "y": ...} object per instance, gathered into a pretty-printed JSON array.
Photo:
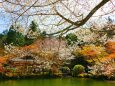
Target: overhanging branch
[{"x": 83, "y": 21}]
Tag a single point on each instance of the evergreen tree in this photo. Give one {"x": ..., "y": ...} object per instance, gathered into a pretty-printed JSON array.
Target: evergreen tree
[
  {"x": 3, "y": 37},
  {"x": 33, "y": 26},
  {"x": 15, "y": 37},
  {"x": 32, "y": 33},
  {"x": 11, "y": 35},
  {"x": 71, "y": 39}
]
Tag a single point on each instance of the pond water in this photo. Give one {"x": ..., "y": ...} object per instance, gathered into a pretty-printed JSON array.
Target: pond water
[{"x": 56, "y": 82}]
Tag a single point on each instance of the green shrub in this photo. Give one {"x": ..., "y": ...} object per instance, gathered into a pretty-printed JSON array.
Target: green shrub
[
  {"x": 78, "y": 69},
  {"x": 65, "y": 70}
]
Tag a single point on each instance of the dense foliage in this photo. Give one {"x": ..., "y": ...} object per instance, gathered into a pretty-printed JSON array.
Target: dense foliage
[
  {"x": 87, "y": 52},
  {"x": 71, "y": 39},
  {"x": 65, "y": 70},
  {"x": 77, "y": 69},
  {"x": 14, "y": 37}
]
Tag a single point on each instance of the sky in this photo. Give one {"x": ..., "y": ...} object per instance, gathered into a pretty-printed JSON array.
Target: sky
[{"x": 5, "y": 20}]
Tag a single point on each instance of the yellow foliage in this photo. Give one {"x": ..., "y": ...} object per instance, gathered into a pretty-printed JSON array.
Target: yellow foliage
[
  {"x": 5, "y": 58},
  {"x": 46, "y": 54},
  {"x": 91, "y": 51}
]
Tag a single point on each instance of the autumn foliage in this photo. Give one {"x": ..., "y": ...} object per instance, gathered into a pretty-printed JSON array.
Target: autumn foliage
[
  {"x": 91, "y": 51},
  {"x": 110, "y": 46}
]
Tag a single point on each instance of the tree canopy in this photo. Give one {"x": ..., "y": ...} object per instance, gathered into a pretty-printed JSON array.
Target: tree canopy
[{"x": 61, "y": 15}]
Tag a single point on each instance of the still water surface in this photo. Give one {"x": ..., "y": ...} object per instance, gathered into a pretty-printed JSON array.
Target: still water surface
[{"x": 56, "y": 82}]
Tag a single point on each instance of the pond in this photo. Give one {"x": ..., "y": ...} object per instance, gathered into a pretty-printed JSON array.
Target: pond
[{"x": 56, "y": 82}]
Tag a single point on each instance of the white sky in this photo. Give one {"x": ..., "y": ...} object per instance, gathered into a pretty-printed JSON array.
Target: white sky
[{"x": 85, "y": 5}]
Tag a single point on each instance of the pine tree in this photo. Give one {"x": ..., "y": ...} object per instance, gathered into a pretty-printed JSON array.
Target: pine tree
[
  {"x": 33, "y": 26},
  {"x": 15, "y": 37}
]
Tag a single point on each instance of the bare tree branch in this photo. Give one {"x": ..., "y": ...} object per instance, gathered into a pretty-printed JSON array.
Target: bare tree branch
[{"x": 82, "y": 22}]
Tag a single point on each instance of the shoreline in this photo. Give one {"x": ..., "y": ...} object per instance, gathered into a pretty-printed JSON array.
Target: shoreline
[{"x": 102, "y": 78}]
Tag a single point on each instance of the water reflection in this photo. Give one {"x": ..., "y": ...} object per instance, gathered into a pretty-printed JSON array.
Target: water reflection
[{"x": 56, "y": 82}]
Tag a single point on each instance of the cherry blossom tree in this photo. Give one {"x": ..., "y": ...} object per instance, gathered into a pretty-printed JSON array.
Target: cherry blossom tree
[{"x": 57, "y": 16}]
